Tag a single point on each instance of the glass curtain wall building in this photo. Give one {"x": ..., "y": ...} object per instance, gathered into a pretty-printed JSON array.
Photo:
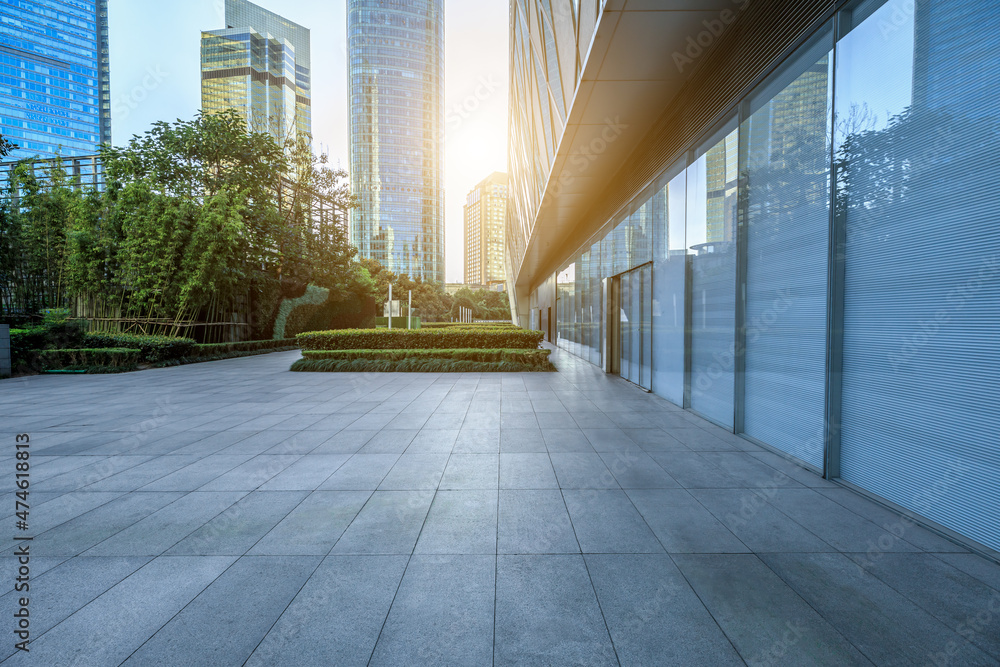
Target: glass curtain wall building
[
  {"x": 396, "y": 89},
  {"x": 260, "y": 66},
  {"x": 55, "y": 90},
  {"x": 806, "y": 254}
]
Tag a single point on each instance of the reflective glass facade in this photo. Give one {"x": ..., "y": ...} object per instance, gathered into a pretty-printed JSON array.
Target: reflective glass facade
[
  {"x": 260, "y": 66},
  {"x": 55, "y": 91},
  {"x": 818, "y": 270},
  {"x": 396, "y": 88}
]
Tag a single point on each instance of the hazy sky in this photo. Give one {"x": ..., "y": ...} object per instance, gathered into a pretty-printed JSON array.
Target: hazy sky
[{"x": 155, "y": 75}]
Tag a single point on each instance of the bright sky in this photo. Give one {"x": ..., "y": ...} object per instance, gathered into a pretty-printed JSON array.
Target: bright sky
[{"x": 155, "y": 75}]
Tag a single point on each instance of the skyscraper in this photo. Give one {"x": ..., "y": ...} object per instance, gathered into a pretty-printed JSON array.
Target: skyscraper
[
  {"x": 260, "y": 66},
  {"x": 55, "y": 92},
  {"x": 396, "y": 86},
  {"x": 484, "y": 213}
]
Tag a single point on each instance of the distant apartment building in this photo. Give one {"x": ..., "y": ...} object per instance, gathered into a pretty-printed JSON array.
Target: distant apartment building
[
  {"x": 484, "y": 213},
  {"x": 55, "y": 90},
  {"x": 772, "y": 214},
  {"x": 396, "y": 90},
  {"x": 260, "y": 66}
]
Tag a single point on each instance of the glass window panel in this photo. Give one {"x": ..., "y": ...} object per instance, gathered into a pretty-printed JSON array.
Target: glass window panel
[
  {"x": 918, "y": 134},
  {"x": 711, "y": 239},
  {"x": 597, "y": 306},
  {"x": 669, "y": 280},
  {"x": 787, "y": 193}
]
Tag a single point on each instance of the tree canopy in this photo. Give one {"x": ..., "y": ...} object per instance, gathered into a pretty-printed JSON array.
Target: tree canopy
[{"x": 6, "y": 147}]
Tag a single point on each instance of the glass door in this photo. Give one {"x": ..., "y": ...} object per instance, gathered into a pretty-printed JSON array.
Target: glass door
[{"x": 635, "y": 326}]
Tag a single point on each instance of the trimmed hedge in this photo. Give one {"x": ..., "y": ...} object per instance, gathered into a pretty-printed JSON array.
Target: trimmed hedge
[
  {"x": 51, "y": 335},
  {"x": 152, "y": 349},
  {"x": 538, "y": 358},
  {"x": 385, "y": 339},
  {"x": 22, "y": 344},
  {"x": 114, "y": 357},
  {"x": 413, "y": 365}
]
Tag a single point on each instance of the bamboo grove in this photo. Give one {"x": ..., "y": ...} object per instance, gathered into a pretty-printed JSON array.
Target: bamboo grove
[{"x": 200, "y": 222}]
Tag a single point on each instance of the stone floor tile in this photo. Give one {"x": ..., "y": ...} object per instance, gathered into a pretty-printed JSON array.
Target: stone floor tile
[
  {"x": 460, "y": 522},
  {"x": 886, "y": 627},
  {"x": 442, "y": 613},
  {"x": 605, "y": 521},
  {"x": 534, "y": 522},
  {"x": 653, "y": 615},
  {"x": 314, "y": 526},
  {"x": 238, "y": 528},
  {"x": 337, "y": 616},
  {"x": 389, "y": 523},
  {"x": 109, "y": 629},
  {"x": 547, "y": 613},
  {"x": 526, "y": 471},
  {"x": 763, "y": 617},
  {"x": 226, "y": 622},
  {"x": 682, "y": 524},
  {"x": 471, "y": 471}
]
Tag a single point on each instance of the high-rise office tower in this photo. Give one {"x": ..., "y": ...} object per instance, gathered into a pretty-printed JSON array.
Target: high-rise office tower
[
  {"x": 55, "y": 92},
  {"x": 396, "y": 86},
  {"x": 259, "y": 65},
  {"x": 484, "y": 213}
]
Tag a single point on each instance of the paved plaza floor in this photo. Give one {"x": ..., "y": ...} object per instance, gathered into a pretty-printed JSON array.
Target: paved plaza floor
[{"x": 233, "y": 512}]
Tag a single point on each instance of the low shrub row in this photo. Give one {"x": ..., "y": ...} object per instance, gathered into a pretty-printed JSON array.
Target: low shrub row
[
  {"x": 539, "y": 358},
  {"x": 451, "y": 338},
  {"x": 152, "y": 349},
  {"x": 412, "y": 365},
  {"x": 113, "y": 357},
  {"x": 51, "y": 335}
]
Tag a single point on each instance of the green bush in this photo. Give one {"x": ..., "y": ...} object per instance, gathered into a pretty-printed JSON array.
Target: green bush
[
  {"x": 385, "y": 339},
  {"x": 22, "y": 342},
  {"x": 531, "y": 357},
  {"x": 293, "y": 314},
  {"x": 114, "y": 357},
  {"x": 413, "y": 366},
  {"x": 152, "y": 349},
  {"x": 55, "y": 332}
]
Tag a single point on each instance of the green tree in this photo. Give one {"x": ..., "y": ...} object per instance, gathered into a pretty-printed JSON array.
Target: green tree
[{"x": 6, "y": 147}]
